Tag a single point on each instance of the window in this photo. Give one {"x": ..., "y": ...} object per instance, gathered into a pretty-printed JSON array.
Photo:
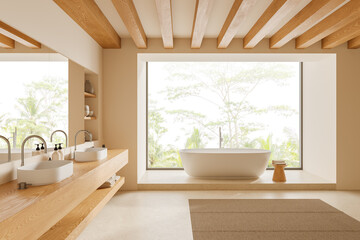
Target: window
[
  {"x": 33, "y": 100},
  {"x": 256, "y": 104}
]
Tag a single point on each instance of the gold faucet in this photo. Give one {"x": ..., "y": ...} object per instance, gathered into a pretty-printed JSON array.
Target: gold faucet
[
  {"x": 9, "y": 148},
  {"x": 23, "y": 146},
  {"x": 66, "y": 138}
]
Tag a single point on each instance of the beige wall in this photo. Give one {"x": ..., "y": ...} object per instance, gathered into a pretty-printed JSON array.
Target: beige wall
[
  {"x": 319, "y": 117},
  {"x": 120, "y": 99},
  {"x": 76, "y": 102}
]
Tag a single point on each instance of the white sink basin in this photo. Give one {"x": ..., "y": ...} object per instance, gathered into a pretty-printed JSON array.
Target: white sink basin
[
  {"x": 44, "y": 173},
  {"x": 90, "y": 154}
]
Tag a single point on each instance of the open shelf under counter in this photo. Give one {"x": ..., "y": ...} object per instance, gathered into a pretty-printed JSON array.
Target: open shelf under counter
[
  {"x": 36, "y": 209},
  {"x": 75, "y": 222}
]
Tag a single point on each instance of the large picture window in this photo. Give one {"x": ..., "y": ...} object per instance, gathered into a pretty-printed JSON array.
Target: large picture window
[
  {"x": 256, "y": 105},
  {"x": 33, "y": 100}
]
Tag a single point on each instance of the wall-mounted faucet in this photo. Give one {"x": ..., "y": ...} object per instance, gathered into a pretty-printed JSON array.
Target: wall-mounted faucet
[
  {"x": 23, "y": 146},
  {"x": 9, "y": 147},
  {"x": 220, "y": 137},
  {"x": 85, "y": 131},
  {"x": 66, "y": 138}
]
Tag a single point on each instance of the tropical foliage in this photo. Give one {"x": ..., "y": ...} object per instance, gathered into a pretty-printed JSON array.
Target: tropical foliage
[
  {"x": 39, "y": 111},
  {"x": 227, "y": 88}
]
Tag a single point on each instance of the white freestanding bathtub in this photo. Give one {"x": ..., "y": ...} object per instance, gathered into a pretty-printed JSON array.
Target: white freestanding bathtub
[{"x": 225, "y": 163}]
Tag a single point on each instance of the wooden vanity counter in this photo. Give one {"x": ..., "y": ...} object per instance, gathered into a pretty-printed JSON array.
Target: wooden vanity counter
[{"x": 29, "y": 213}]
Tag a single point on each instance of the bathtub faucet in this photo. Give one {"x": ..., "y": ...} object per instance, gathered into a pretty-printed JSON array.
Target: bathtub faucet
[{"x": 220, "y": 137}]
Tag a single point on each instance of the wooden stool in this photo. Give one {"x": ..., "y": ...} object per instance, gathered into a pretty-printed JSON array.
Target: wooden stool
[{"x": 279, "y": 173}]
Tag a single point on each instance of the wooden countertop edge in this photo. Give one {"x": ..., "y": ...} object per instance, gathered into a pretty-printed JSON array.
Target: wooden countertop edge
[
  {"x": 75, "y": 222},
  {"x": 46, "y": 211}
]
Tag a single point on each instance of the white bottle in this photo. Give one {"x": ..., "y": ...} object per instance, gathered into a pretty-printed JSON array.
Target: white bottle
[
  {"x": 56, "y": 155},
  {"x": 37, "y": 151},
  {"x": 61, "y": 152},
  {"x": 42, "y": 150}
]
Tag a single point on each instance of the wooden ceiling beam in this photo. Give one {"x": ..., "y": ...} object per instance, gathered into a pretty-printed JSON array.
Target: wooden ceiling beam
[
  {"x": 127, "y": 11},
  {"x": 202, "y": 14},
  {"x": 14, "y": 34},
  {"x": 165, "y": 18},
  {"x": 343, "y": 35},
  {"x": 337, "y": 20},
  {"x": 88, "y": 15},
  {"x": 6, "y": 42},
  {"x": 354, "y": 43},
  {"x": 235, "y": 18},
  {"x": 303, "y": 21},
  {"x": 272, "y": 16}
]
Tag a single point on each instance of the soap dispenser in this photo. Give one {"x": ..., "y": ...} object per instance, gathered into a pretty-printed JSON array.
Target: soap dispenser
[
  {"x": 42, "y": 150},
  {"x": 37, "y": 150},
  {"x": 56, "y": 154},
  {"x": 61, "y": 151}
]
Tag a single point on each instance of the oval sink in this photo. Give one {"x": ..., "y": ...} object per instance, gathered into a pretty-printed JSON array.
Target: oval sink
[
  {"x": 44, "y": 173},
  {"x": 90, "y": 154}
]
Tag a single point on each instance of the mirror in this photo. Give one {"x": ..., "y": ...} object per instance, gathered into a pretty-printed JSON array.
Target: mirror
[{"x": 33, "y": 100}]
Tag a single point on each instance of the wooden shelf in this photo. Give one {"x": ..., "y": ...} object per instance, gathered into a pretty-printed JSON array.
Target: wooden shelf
[
  {"x": 38, "y": 208},
  {"x": 89, "y": 95},
  {"x": 89, "y": 118},
  {"x": 74, "y": 223}
]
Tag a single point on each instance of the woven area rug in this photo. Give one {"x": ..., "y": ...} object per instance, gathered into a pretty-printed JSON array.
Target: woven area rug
[{"x": 280, "y": 219}]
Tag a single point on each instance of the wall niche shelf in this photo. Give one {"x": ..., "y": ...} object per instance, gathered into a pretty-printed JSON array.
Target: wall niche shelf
[
  {"x": 89, "y": 95},
  {"x": 89, "y": 118},
  {"x": 92, "y": 100}
]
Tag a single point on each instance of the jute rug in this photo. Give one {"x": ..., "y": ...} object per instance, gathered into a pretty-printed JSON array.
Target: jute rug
[{"x": 280, "y": 219}]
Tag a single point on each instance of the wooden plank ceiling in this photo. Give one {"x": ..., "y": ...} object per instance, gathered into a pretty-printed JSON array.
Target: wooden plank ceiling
[
  {"x": 201, "y": 18},
  {"x": 9, "y": 35},
  {"x": 163, "y": 8},
  {"x": 88, "y": 15},
  {"x": 331, "y": 22},
  {"x": 129, "y": 16}
]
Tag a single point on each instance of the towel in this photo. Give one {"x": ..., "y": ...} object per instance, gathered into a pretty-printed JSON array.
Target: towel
[{"x": 110, "y": 182}]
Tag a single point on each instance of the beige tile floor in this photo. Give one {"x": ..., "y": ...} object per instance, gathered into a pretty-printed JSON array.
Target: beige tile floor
[{"x": 157, "y": 215}]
